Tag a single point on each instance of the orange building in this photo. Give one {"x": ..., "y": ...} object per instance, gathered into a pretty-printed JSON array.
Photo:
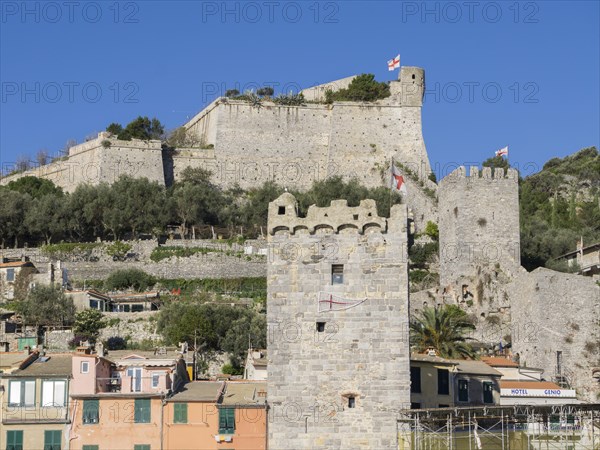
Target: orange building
[{"x": 217, "y": 415}]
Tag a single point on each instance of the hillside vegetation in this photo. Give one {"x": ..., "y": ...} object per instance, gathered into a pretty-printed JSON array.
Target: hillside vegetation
[
  {"x": 560, "y": 205},
  {"x": 35, "y": 211}
]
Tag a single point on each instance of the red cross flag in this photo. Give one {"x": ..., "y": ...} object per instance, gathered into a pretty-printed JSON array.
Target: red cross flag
[
  {"x": 502, "y": 151},
  {"x": 394, "y": 63},
  {"x": 398, "y": 181}
]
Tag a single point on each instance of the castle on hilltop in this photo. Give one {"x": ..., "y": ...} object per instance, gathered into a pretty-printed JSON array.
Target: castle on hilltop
[{"x": 248, "y": 144}]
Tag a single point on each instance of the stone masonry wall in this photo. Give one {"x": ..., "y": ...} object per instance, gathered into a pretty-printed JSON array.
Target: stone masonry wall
[
  {"x": 94, "y": 162},
  {"x": 363, "y": 350},
  {"x": 563, "y": 315},
  {"x": 478, "y": 222}
]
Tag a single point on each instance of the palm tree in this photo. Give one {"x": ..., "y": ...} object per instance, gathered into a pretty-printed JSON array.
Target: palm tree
[{"x": 443, "y": 328}]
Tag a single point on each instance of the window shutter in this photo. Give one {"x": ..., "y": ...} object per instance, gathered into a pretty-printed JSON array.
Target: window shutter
[
  {"x": 52, "y": 440},
  {"x": 14, "y": 440},
  {"x": 142, "y": 410},
  {"x": 180, "y": 413},
  {"x": 91, "y": 413}
]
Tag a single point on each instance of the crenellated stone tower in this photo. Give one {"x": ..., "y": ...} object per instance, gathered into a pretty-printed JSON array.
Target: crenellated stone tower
[
  {"x": 338, "y": 325},
  {"x": 478, "y": 222}
]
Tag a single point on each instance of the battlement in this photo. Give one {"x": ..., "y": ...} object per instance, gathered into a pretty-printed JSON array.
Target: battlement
[
  {"x": 337, "y": 218},
  {"x": 474, "y": 174}
]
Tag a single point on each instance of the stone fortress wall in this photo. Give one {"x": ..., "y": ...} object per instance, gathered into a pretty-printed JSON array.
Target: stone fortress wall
[
  {"x": 103, "y": 159},
  {"x": 362, "y": 351},
  {"x": 292, "y": 145},
  {"x": 547, "y": 316}
]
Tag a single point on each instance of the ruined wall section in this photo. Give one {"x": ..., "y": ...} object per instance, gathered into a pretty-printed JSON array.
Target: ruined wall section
[
  {"x": 363, "y": 350},
  {"x": 558, "y": 312},
  {"x": 478, "y": 222}
]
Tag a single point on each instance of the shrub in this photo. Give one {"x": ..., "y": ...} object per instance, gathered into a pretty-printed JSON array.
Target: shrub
[
  {"x": 129, "y": 279},
  {"x": 364, "y": 88},
  {"x": 227, "y": 369},
  {"x": 230, "y": 369},
  {"x": 88, "y": 323},
  {"x": 431, "y": 230},
  {"x": 118, "y": 250},
  {"x": 267, "y": 91},
  {"x": 116, "y": 343},
  {"x": 232, "y": 93},
  {"x": 421, "y": 254}
]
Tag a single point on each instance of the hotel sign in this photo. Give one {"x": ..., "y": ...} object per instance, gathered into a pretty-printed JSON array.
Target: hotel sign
[{"x": 537, "y": 393}]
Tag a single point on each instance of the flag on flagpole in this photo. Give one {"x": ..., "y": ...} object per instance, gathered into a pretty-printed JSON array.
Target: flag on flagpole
[
  {"x": 398, "y": 180},
  {"x": 502, "y": 151},
  {"x": 394, "y": 63}
]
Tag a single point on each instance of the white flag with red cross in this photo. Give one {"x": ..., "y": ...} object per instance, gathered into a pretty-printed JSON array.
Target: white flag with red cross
[
  {"x": 394, "y": 63},
  {"x": 398, "y": 182},
  {"x": 502, "y": 151}
]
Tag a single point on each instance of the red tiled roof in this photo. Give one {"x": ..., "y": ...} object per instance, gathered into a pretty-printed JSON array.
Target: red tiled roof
[{"x": 498, "y": 361}]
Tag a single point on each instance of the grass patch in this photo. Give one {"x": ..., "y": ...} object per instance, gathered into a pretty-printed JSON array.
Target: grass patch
[{"x": 166, "y": 252}]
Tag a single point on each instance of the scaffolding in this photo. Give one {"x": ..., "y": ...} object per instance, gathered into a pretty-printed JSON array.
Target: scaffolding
[{"x": 519, "y": 427}]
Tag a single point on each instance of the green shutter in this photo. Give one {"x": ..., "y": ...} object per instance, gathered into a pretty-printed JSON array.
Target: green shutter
[
  {"x": 52, "y": 439},
  {"x": 91, "y": 411},
  {"x": 142, "y": 410},
  {"x": 141, "y": 447},
  {"x": 226, "y": 420},
  {"x": 90, "y": 447},
  {"x": 180, "y": 412},
  {"x": 14, "y": 440}
]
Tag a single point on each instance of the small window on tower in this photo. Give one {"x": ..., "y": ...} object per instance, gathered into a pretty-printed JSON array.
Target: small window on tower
[
  {"x": 337, "y": 274},
  {"x": 320, "y": 327},
  {"x": 351, "y": 402},
  {"x": 281, "y": 210}
]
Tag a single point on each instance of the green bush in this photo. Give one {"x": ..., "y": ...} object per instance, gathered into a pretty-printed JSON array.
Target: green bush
[
  {"x": 422, "y": 254},
  {"x": 116, "y": 343},
  {"x": 129, "y": 279},
  {"x": 363, "y": 88},
  {"x": 431, "y": 230},
  {"x": 118, "y": 250}
]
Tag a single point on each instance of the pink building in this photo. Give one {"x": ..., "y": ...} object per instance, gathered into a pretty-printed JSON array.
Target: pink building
[{"x": 118, "y": 400}]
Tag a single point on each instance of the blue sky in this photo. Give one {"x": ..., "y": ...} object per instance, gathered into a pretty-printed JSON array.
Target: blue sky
[{"x": 524, "y": 74}]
